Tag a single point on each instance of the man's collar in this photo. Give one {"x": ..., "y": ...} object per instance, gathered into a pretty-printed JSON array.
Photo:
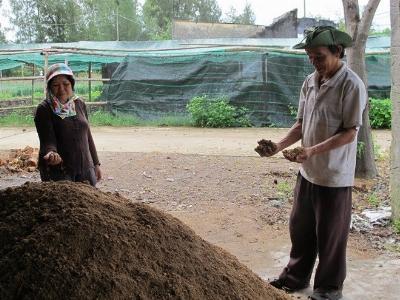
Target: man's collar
[{"x": 331, "y": 81}]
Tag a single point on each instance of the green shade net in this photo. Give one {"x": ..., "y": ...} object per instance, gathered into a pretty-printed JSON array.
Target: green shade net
[
  {"x": 158, "y": 78},
  {"x": 267, "y": 83}
]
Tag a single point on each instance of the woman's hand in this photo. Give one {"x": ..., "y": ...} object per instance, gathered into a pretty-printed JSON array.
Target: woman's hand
[
  {"x": 52, "y": 158},
  {"x": 97, "y": 171}
]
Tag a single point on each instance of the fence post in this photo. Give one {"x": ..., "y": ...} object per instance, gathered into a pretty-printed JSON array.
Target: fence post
[
  {"x": 90, "y": 81},
  {"x": 33, "y": 82},
  {"x": 46, "y": 64}
]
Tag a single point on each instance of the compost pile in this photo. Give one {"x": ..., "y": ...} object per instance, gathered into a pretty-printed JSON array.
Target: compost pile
[
  {"x": 21, "y": 160},
  {"x": 71, "y": 241}
]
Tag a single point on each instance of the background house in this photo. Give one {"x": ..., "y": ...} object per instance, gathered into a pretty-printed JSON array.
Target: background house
[{"x": 287, "y": 25}]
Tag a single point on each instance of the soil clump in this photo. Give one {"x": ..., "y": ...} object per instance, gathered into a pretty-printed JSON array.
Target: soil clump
[
  {"x": 70, "y": 240},
  {"x": 291, "y": 154},
  {"x": 265, "y": 148}
]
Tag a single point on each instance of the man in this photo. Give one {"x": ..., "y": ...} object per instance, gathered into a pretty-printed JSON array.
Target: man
[{"x": 331, "y": 104}]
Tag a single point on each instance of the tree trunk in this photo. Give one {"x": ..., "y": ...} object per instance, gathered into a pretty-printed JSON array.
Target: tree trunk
[
  {"x": 395, "y": 96},
  {"x": 358, "y": 28}
]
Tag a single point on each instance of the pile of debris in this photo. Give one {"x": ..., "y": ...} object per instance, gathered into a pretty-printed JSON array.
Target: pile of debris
[
  {"x": 19, "y": 160},
  {"x": 65, "y": 240}
]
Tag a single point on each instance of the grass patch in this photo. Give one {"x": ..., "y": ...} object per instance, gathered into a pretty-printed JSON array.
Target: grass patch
[
  {"x": 172, "y": 121},
  {"x": 396, "y": 226},
  {"x": 16, "y": 89},
  {"x": 16, "y": 119},
  {"x": 101, "y": 118},
  {"x": 283, "y": 189},
  {"x": 373, "y": 199}
]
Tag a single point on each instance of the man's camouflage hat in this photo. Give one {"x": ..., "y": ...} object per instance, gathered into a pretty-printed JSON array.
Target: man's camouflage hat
[{"x": 324, "y": 36}]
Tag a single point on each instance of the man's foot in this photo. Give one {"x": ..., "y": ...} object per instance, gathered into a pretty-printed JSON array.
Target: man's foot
[
  {"x": 282, "y": 285},
  {"x": 322, "y": 294}
]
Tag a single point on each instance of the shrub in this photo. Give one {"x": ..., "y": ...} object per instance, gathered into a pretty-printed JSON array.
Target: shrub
[
  {"x": 380, "y": 113},
  {"x": 216, "y": 112}
]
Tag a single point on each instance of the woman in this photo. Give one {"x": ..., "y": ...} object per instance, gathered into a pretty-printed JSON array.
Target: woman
[{"x": 67, "y": 150}]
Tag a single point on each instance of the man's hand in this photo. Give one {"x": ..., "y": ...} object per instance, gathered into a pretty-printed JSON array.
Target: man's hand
[
  {"x": 298, "y": 154},
  {"x": 292, "y": 154},
  {"x": 305, "y": 154},
  {"x": 53, "y": 158},
  {"x": 266, "y": 148}
]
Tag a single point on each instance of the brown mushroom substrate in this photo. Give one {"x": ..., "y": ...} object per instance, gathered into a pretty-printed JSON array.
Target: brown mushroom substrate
[
  {"x": 19, "y": 160},
  {"x": 265, "y": 147},
  {"x": 291, "y": 154},
  {"x": 71, "y": 241}
]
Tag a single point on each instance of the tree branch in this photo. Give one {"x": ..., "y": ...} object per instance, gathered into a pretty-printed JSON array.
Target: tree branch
[{"x": 366, "y": 20}]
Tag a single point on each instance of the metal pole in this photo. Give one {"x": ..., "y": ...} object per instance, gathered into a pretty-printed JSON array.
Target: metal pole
[
  {"x": 304, "y": 8},
  {"x": 46, "y": 64},
  {"x": 33, "y": 81},
  {"x": 117, "y": 20},
  {"x": 90, "y": 82}
]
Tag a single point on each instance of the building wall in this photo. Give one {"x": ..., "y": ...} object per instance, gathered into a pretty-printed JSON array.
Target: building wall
[
  {"x": 284, "y": 26},
  {"x": 304, "y": 23},
  {"x": 182, "y": 29}
]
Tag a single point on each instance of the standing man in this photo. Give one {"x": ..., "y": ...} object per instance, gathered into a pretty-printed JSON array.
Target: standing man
[{"x": 332, "y": 100}]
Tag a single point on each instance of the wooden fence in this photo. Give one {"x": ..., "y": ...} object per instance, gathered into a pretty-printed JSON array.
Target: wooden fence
[{"x": 30, "y": 109}]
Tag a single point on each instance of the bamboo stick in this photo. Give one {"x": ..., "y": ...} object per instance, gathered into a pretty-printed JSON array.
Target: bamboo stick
[{"x": 42, "y": 77}]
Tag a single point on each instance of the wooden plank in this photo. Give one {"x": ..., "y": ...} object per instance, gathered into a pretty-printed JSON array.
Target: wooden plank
[{"x": 42, "y": 78}]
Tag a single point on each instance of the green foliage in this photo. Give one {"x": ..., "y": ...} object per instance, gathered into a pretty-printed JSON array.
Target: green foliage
[
  {"x": 380, "y": 113},
  {"x": 75, "y": 20},
  {"x": 208, "y": 112},
  {"x": 396, "y": 225},
  {"x": 158, "y": 15},
  {"x": 103, "y": 118},
  {"x": 373, "y": 199},
  {"x": 342, "y": 25},
  {"x": 292, "y": 110},
  {"x": 360, "y": 149},
  {"x": 284, "y": 189},
  {"x": 378, "y": 153},
  {"x": 46, "y": 21},
  {"x": 2, "y": 35},
  {"x": 372, "y": 31},
  {"x": 23, "y": 89},
  {"x": 17, "y": 119},
  {"x": 100, "y": 118},
  {"x": 246, "y": 17},
  {"x": 95, "y": 95},
  {"x": 384, "y": 32},
  {"x": 102, "y": 17},
  {"x": 172, "y": 121}
]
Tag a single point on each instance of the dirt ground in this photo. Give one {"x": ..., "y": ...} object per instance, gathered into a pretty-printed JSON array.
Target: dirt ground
[{"x": 214, "y": 181}]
